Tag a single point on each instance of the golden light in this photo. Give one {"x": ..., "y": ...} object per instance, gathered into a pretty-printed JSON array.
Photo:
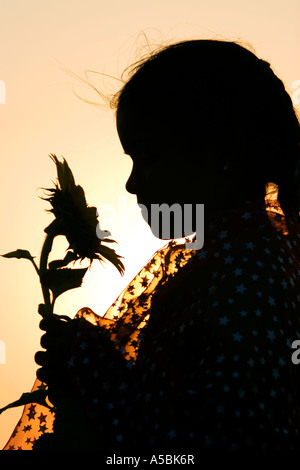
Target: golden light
[{"x": 39, "y": 115}]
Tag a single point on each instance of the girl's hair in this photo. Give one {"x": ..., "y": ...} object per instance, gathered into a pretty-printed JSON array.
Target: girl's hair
[{"x": 213, "y": 85}]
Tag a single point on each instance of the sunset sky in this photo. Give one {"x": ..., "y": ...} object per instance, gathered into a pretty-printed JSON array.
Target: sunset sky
[{"x": 40, "y": 114}]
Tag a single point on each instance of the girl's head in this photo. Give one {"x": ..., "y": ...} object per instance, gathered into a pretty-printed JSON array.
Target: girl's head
[{"x": 207, "y": 121}]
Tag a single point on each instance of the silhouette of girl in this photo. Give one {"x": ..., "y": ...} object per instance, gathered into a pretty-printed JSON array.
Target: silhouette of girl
[{"x": 196, "y": 352}]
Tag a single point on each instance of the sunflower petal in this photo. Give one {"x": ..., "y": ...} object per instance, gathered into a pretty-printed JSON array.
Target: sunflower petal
[
  {"x": 77, "y": 221},
  {"x": 64, "y": 174},
  {"x": 110, "y": 255}
]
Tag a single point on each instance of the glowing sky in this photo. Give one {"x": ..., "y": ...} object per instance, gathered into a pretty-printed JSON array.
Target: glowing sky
[{"x": 40, "y": 114}]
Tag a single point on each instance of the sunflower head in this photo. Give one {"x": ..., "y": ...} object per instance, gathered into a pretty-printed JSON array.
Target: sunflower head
[{"x": 76, "y": 220}]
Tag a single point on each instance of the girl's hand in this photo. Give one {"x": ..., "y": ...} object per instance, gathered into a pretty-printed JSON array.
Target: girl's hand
[{"x": 57, "y": 341}]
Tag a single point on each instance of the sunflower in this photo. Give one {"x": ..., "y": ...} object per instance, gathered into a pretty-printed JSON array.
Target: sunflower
[{"x": 77, "y": 221}]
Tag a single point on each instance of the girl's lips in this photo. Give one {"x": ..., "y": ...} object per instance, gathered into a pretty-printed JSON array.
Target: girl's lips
[{"x": 142, "y": 203}]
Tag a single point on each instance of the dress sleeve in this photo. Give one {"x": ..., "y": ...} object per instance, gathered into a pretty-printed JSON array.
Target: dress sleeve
[{"x": 101, "y": 366}]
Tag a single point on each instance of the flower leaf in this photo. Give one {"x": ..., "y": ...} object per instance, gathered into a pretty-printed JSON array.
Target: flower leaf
[
  {"x": 37, "y": 396},
  {"x": 19, "y": 254},
  {"x": 61, "y": 280}
]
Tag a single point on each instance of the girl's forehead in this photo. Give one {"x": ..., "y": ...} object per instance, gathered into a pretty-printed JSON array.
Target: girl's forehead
[
  {"x": 133, "y": 112},
  {"x": 136, "y": 125}
]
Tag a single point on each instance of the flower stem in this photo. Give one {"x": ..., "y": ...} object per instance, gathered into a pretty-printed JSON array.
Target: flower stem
[{"x": 46, "y": 249}]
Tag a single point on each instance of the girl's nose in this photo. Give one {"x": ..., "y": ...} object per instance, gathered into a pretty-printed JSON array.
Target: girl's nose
[{"x": 133, "y": 182}]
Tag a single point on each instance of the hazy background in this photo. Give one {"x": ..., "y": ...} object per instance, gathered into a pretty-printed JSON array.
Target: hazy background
[{"x": 40, "y": 114}]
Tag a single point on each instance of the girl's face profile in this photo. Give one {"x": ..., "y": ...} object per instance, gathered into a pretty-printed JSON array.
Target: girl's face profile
[
  {"x": 152, "y": 154},
  {"x": 171, "y": 165}
]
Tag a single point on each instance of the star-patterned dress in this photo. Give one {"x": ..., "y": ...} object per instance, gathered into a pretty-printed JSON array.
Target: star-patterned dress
[{"x": 195, "y": 354}]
